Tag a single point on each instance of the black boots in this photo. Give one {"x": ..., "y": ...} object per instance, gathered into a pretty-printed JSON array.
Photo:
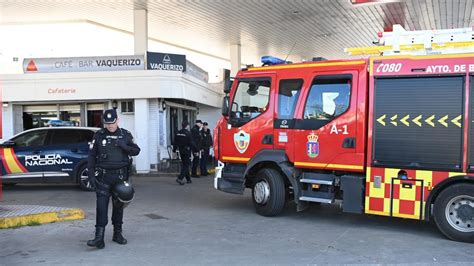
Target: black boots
[
  {"x": 98, "y": 241},
  {"x": 118, "y": 237}
]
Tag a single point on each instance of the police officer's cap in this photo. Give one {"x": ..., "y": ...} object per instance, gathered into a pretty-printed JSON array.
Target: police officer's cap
[
  {"x": 110, "y": 116},
  {"x": 205, "y": 123},
  {"x": 198, "y": 121}
]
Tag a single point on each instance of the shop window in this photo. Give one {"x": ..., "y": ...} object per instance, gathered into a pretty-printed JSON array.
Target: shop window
[
  {"x": 127, "y": 106},
  {"x": 37, "y": 119}
]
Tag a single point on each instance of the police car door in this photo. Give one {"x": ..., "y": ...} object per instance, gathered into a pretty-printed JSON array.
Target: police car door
[
  {"x": 21, "y": 153},
  {"x": 325, "y": 133},
  {"x": 67, "y": 147}
]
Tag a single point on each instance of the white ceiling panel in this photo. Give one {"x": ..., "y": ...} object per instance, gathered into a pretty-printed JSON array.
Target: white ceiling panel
[{"x": 306, "y": 28}]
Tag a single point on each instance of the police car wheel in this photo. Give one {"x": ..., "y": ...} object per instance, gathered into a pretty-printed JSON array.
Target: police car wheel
[
  {"x": 83, "y": 178},
  {"x": 454, "y": 212},
  {"x": 268, "y": 192}
]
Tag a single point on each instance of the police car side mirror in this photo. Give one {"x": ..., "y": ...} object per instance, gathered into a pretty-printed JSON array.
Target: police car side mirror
[
  {"x": 225, "y": 105},
  {"x": 8, "y": 143}
]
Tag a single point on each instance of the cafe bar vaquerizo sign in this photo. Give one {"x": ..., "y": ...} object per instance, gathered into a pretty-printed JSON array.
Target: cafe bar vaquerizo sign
[{"x": 83, "y": 64}]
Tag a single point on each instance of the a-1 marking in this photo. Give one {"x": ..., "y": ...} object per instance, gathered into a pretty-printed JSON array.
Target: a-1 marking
[{"x": 335, "y": 130}]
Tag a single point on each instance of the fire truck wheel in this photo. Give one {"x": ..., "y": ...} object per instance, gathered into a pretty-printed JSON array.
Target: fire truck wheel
[
  {"x": 268, "y": 192},
  {"x": 454, "y": 212}
]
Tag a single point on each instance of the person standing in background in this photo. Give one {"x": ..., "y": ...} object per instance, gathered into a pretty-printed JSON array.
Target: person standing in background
[
  {"x": 196, "y": 135},
  {"x": 184, "y": 143},
  {"x": 206, "y": 146}
]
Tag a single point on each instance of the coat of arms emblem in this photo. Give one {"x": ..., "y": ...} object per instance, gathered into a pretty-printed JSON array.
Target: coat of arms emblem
[
  {"x": 241, "y": 141},
  {"x": 312, "y": 146}
]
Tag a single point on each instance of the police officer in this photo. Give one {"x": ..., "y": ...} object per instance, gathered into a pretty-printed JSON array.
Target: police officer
[
  {"x": 206, "y": 146},
  {"x": 196, "y": 134},
  {"x": 184, "y": 142},
  {"x": 108, "y": 165}
]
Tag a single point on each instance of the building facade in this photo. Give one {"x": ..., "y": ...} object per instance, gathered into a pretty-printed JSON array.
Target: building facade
[{"x": 150, "y": 103}]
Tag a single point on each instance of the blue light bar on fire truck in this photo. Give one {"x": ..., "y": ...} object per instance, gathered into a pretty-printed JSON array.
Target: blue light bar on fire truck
[{"x": 271, "y": 60}]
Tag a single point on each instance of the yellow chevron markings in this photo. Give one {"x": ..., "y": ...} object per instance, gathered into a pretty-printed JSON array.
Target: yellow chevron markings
[
  {"x": 416, "y": 120},
  {"x": 429, "y": 120},
  {"x": 456, "y": 121},
  {"x": 381, "y": 120},
  {"x": 394, "y": 120},
  {"x": 442, "y": 121},
  {"x": 405, "y": 120}
]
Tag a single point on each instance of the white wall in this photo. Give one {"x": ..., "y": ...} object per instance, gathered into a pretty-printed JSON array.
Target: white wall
[
  {"x": 209, "y": 114},
  {"x": 141, "y": 135},
  {"x": 83, "y": 86},
  {"x": 126, "y": 120},
  {"x": 7, "y": 121},
  {"x": 153, "y": 131},
  {"x": 163, "y": 134}
]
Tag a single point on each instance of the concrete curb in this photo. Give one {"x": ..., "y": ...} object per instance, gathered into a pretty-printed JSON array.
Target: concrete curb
[{"x": 27, "y": 216}]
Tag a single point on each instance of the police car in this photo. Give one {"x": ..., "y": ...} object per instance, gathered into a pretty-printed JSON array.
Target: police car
[{"x": 54, "y": 154}]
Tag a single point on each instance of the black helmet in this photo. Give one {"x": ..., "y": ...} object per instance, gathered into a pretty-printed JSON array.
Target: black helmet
[{"x": 123, "y": 191}]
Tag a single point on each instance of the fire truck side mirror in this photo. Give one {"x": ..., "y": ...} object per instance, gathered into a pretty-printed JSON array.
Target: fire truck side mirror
[
  {"x": 227, "y": 86},
  {"x": 225, "y": 105}
]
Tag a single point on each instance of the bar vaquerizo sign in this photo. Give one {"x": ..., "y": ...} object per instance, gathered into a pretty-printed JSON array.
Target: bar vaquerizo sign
[{"x": 83, "y": 64}]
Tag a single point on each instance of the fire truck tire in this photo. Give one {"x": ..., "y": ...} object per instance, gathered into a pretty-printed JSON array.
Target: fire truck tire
[
  {"x": 268, "y": 192},
  {"x": 454, "y": 212}
]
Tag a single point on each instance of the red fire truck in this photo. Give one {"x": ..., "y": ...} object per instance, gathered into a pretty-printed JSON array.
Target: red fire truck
[{"x": 388, "y": 135}]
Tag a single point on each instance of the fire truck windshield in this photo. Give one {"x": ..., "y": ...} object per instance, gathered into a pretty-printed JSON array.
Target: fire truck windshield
[{"x": 250, "y": 100}]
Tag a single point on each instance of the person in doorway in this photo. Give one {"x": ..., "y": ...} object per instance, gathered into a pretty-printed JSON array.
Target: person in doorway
[
  {"x": 184, "y": 143},
  {"x": 206, "y": 146},
  {"x": 196, "y": 134},
  {"x": 108, "y": 166}
]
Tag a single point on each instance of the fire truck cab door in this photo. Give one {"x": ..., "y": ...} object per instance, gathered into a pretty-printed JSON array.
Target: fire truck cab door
[
  {"x": 326, "y": 129},
  {"x": 249, "y": 127}
]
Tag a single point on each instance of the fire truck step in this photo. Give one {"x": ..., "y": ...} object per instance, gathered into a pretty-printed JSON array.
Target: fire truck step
[
  {"x": 322, "y": 200},
  {"x": 316, "y": 181},
  {"x": 316, "y": 178},
  {"x": 317, "y": 187}
]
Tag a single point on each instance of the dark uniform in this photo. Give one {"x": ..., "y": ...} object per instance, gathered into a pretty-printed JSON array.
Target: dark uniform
[
  {"x": 109, "y": 162},
  {"x": 196, "y": 134},
  {"x": 184, "y": 142},
  {"x": 206, "y": 146}
]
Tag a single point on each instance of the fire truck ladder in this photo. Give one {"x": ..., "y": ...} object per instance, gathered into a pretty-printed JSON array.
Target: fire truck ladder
[{"x": 425, "y": 42}]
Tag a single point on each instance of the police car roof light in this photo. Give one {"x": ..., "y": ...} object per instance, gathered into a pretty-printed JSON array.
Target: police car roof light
[{"x": 271, "y": 60}]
